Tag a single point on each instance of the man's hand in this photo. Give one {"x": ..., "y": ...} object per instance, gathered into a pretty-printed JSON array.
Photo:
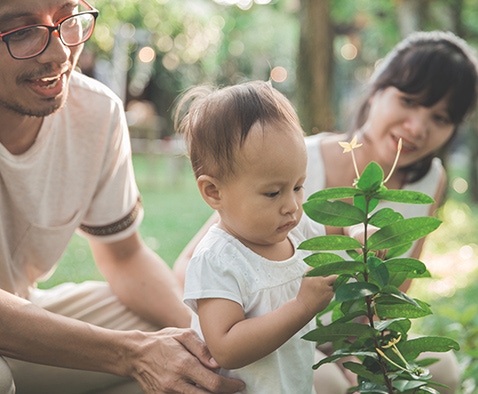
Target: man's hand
[{"x": 177, "y": 361}]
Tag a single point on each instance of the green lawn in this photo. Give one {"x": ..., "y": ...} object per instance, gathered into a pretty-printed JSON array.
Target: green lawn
[{"x": 174, "y": 211}]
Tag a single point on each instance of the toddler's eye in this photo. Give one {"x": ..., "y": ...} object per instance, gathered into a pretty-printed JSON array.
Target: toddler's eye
[
  {"x": 298, "y": 188},
  {"x": 271, "y": 195}
]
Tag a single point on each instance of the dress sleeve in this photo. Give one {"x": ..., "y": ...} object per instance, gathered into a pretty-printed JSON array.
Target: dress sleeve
[{"x": 211, "y": 275}]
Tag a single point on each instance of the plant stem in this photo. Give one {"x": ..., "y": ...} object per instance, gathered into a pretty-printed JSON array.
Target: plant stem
[{"x": 369, "y": 301}]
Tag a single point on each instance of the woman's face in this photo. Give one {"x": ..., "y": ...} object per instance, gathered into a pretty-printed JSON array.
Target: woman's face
[{"x": 394, "y": 115}]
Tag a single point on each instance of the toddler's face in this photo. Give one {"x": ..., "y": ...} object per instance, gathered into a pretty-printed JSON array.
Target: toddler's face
[{"x": 262, "y": 202}]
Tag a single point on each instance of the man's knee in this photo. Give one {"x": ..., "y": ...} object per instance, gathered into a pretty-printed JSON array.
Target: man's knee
[{"x": 6, "y": 379}]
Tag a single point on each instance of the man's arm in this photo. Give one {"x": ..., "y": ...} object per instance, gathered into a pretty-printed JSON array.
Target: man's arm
[
  {"x": 170, "y": 360},
  {"x": 142, "y": 281}
]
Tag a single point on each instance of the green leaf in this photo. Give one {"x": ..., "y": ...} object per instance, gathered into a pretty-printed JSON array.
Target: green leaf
[
  {"x": 401, "y": 325},
  {"x": 371, "y": 388},
  {"x": 341, "y": 280},
  {"x": 334, "y": 332},
  {"x": 378, "y": 271},
  {"x": 360, "y": 201},
  {"x": 413, "y": 347},
  {"x": 399, "y": 250},
  {"x": 363, "y": 372},
  {"x": 397, "y": 278},
  {"x": 413, "y": 267},
  {"x": 404, "y": 196},
  {"x": 400, "y": 296},
  {"x": 384, "y": 217},
  {"x": 353, "y": 306},
  {"x": 318, "y": 259},
  {"x": 404, "y": 385},
  {"x": 402, "y": 232},
  {"x": 355, "y": 290},
  {"x": 350, "y": 316},
  {"x": 334, "y": 193},
  {"x": 333, "y": 213},
  {"x": 353, "y": 254},
  {"x": 391, "y": 307},
  {"x": 371, "y": 178},
  {"x": 340, "y": 267},
  {"x": 428, "y": 389},
  {"x": 330, "y": 242},
  {"x": 340, "y": 354}
]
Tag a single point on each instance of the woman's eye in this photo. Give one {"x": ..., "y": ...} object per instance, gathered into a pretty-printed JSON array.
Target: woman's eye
[
  {"x": 408, "y": 102},
  {"x": 445, "y": 120}
]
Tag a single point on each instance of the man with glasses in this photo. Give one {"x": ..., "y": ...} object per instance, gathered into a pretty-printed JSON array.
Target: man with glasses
[{"x": 65, "y": 166}]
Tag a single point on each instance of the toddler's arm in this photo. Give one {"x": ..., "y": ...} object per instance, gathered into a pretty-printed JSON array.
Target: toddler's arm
[{"x": 235, "y": 341}]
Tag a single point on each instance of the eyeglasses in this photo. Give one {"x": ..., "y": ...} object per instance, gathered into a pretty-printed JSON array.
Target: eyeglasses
[{"x": 30, "y": 41}]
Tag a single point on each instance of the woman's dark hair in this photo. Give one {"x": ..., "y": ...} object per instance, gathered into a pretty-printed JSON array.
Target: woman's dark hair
[{"x": 431, "y": 65}]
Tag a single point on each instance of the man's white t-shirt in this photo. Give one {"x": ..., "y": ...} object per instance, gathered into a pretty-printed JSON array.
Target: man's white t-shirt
[{"x": 78, "y": 174}]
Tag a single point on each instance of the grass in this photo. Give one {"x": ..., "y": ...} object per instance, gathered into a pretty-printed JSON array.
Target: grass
[{"x": 174, "y": 211}]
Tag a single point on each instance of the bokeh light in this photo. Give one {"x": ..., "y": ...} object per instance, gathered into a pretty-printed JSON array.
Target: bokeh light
[
  {"x": 146, "y": 55},
  {"x": 460, "y": 185},
  {"x": 349, "y": 51},
  {"x": 278, "y": 74}
]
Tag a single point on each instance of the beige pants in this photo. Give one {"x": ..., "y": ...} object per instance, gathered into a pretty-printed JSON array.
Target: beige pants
[{"x": 92, "y": 302}]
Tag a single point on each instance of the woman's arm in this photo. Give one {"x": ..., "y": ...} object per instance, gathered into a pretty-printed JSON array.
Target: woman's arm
[{"x": 418, "y": 248}]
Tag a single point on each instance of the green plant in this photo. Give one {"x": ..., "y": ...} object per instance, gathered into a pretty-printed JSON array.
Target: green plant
[{"x": 371, "y": 317}]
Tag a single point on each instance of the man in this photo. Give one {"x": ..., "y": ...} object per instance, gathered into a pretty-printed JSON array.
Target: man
[{"x": 64, "y": 166}]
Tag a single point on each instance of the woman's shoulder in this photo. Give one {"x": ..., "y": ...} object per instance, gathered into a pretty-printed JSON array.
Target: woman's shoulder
[
  {"x": 429, "y": 182},
  {"x": 322, "y": 137}
]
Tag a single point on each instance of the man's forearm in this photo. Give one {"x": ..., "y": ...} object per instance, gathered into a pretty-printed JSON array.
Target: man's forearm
[{"x": 33, "y": 334}]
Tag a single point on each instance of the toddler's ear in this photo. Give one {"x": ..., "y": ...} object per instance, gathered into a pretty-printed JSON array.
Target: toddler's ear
[{"x": 209, "y": 189}]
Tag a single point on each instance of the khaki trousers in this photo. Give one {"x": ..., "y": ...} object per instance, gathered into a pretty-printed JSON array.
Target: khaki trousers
[{"x": 92, "y": 302}]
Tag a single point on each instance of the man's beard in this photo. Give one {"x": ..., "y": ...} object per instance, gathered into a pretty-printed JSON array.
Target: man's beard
[{"x": 24, "y": 111}]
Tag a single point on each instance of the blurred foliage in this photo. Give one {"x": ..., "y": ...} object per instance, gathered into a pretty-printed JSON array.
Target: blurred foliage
[
  {"x": 206, "y": 41},
  {"x": 227, "y": 41},
  {"x": 194, "y": 41}
]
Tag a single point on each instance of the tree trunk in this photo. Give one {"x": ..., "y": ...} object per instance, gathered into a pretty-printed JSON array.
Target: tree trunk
[
  {"x": 411, "y": 14},
  {"x": 314, "y": 67}
]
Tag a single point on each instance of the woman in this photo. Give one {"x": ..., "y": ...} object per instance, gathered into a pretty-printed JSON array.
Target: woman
[{"x": 420, "y": 93}]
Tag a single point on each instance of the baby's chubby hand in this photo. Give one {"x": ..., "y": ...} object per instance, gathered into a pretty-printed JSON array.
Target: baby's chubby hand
[{"x": 316, "y": 292}]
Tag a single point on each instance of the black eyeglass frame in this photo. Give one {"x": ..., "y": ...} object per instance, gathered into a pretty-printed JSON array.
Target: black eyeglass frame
[{"x": 5, "y": 37}]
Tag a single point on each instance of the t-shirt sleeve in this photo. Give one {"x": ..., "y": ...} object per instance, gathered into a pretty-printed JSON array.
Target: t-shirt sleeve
[
  {"x": 115, "y": 211},
  {"x": 210, "y": 275}
]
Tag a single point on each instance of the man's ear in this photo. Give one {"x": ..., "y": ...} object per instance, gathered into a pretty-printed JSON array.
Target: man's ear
[{"x": 209, "y": 189}]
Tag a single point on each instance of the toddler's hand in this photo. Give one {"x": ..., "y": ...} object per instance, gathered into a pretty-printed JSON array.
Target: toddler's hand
[{"x": 316, "y": 292}]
